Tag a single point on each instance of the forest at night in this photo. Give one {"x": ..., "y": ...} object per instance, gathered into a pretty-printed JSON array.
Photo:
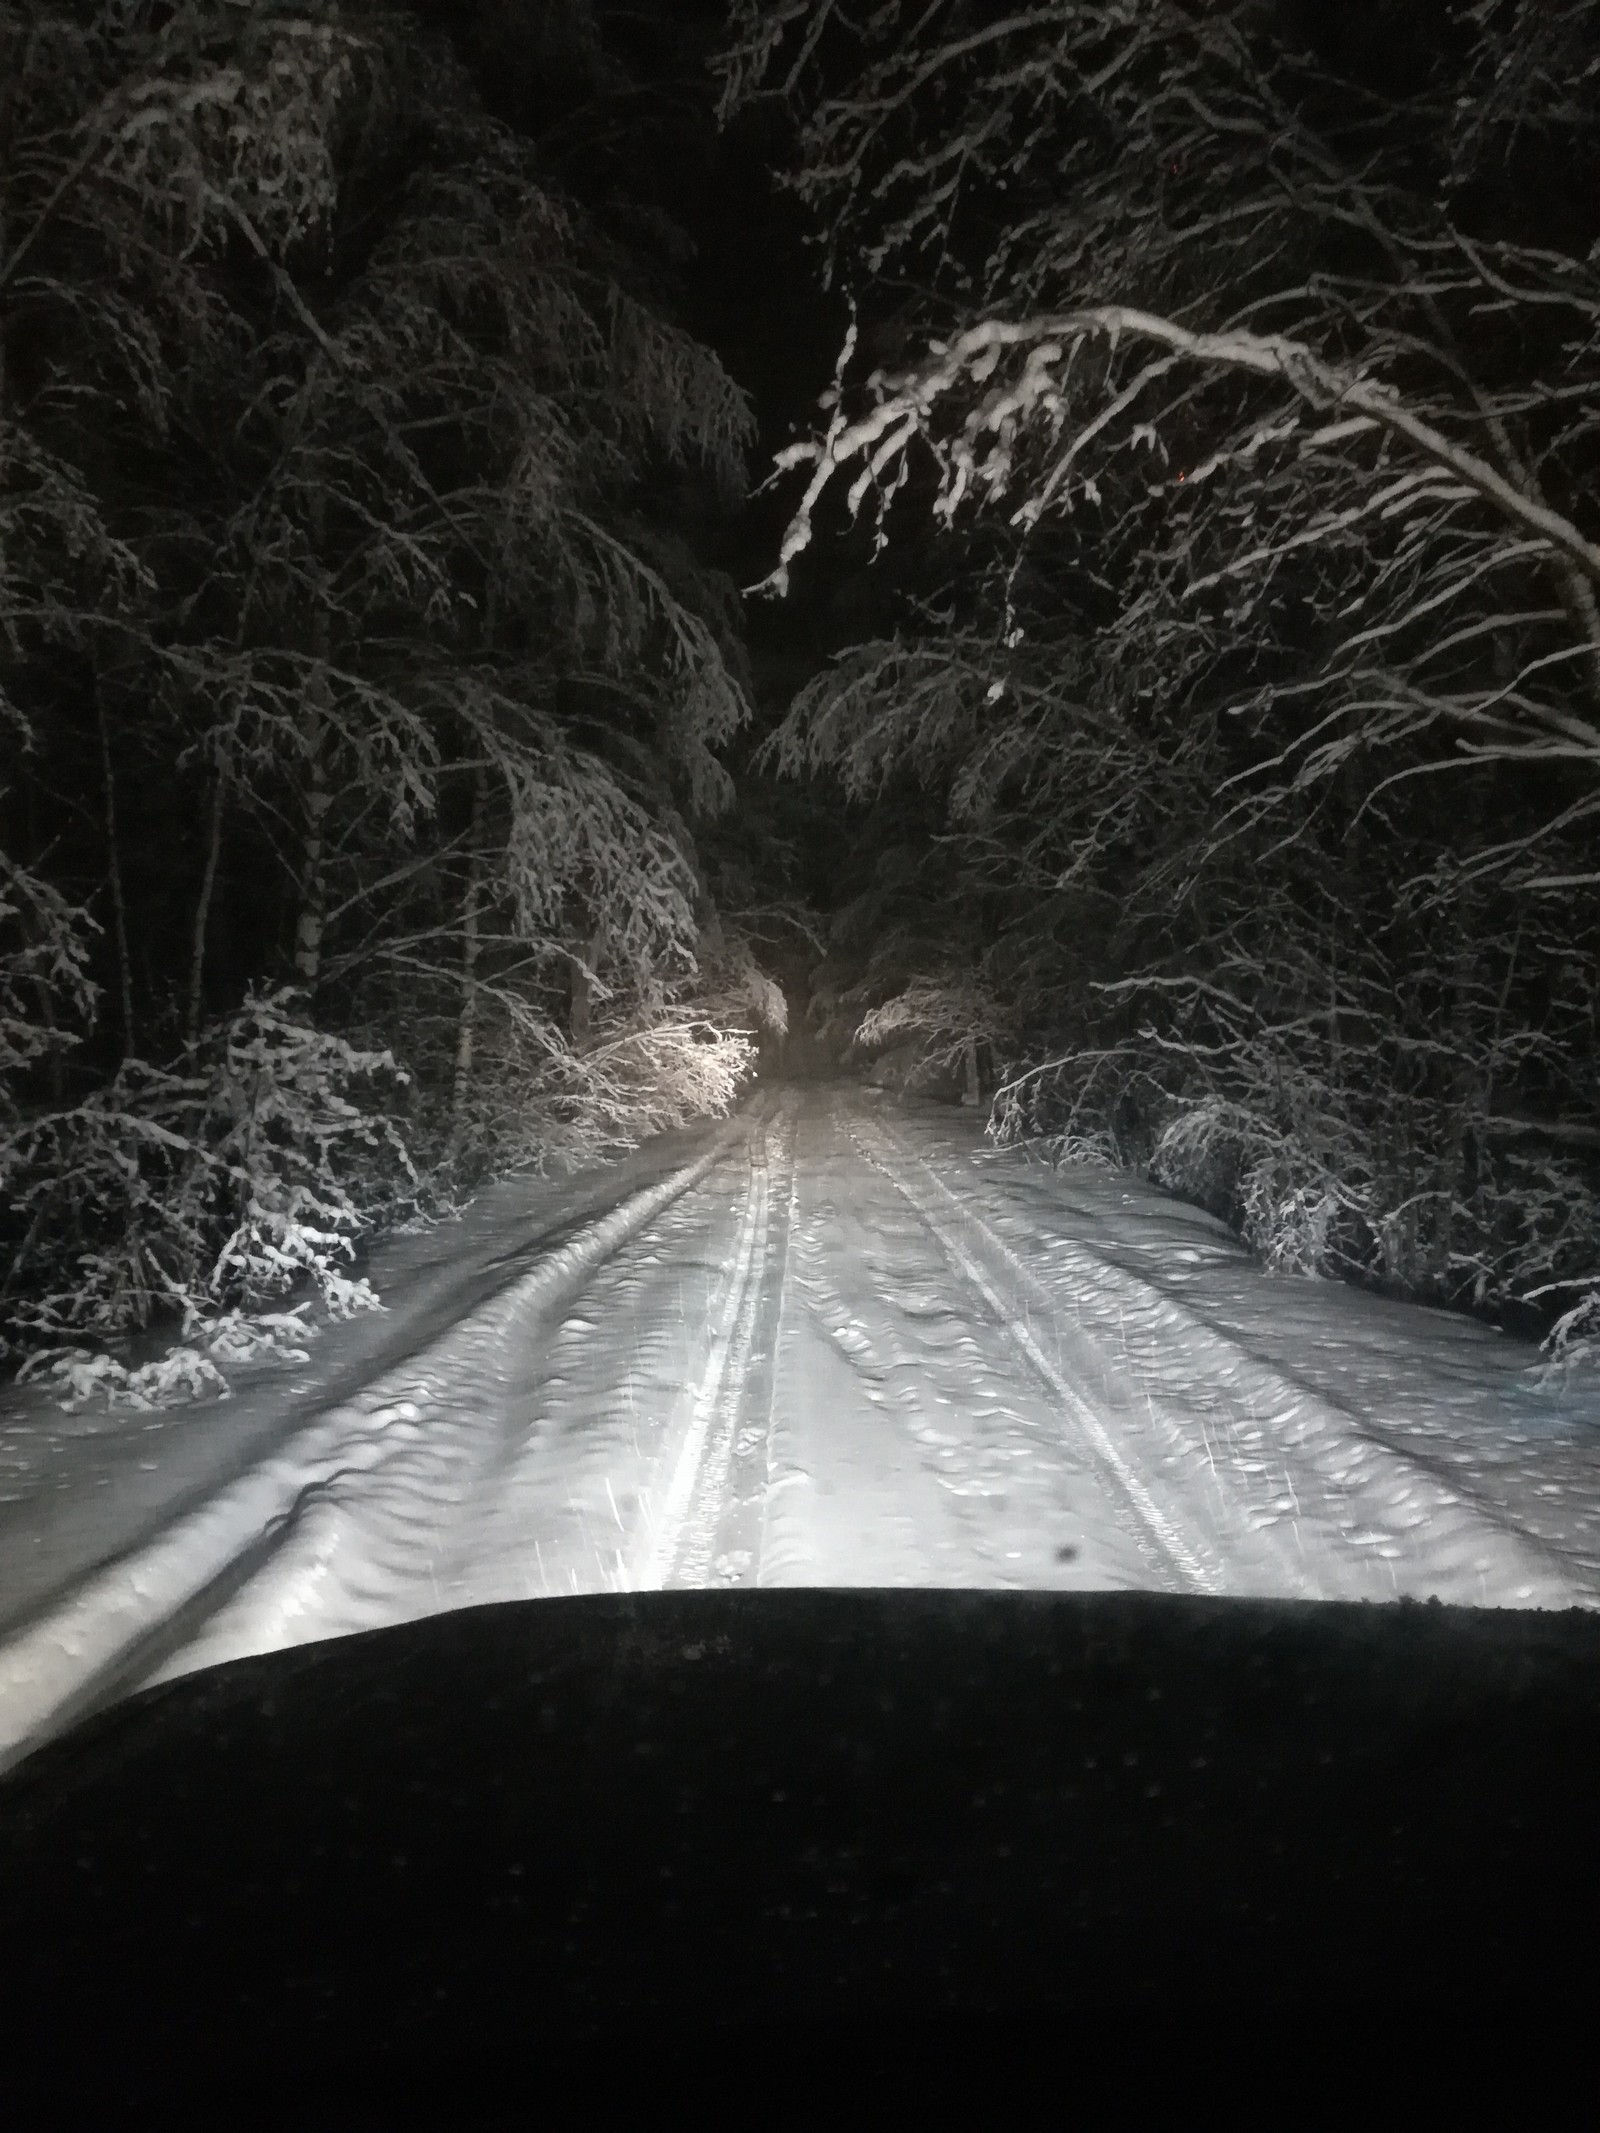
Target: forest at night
[
  {"x": 799, "y": 1040},
  {"x": 1154, "y": 692}
]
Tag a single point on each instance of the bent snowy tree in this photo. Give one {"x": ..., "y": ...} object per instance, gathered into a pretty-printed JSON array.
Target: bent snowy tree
[
  {"x": 347, "y": 642},
  {"x": 1284, "y": 385}
]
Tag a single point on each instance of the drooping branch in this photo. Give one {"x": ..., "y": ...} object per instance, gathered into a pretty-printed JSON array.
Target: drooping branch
[{"x": 904, "y": 408}]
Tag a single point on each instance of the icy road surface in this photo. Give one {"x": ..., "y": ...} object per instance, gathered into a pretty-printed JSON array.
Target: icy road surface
[{"x": 831, "y": 1341}]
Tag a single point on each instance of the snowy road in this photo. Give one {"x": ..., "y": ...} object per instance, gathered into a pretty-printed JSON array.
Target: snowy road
[{"x": 829, "y": 1342}]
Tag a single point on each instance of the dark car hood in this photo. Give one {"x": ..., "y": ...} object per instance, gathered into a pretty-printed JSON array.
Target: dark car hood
[{"x": 571, "y": 1826}]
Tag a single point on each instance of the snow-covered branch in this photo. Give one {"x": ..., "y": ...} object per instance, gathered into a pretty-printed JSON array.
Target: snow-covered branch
[
  {"x": 904, "y": 410},
  {"x": 1257, "y": 390}
]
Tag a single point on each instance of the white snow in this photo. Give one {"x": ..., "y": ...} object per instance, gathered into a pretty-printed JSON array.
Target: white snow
[{"x": 830, "y": 1342}]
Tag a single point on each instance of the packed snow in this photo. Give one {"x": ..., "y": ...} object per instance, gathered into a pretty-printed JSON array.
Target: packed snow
[{"x": 831, "y": 1341}]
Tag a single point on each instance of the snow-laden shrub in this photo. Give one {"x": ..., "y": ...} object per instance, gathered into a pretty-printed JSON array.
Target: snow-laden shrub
[
  {"x": 194, "y": 1369},
  {"x": 311, "y": 1167},
  {"x": 1290, "y": 1219},
  {"x": 80, "y": 1376},
  {"x": 768, "y": 1003},
  {"x": 1092, "y": 1151},
  {"x": 240, "y": 1337},
  {"x": 899, "y": 1067},
  {"x": 1204, "y": 1151},
  {"x": 196, "y": 1196},
  {"x": 653, "y": 1055},
  {"x": 657, "y": 1075},
  {"x": 1095, "y": 1107},
  {"x": 946, "y": 1019},
  {"x": 1264, "y": 1179},
  {"x": 1322, "y": 1187},
  {"x": 1573, "y": 1343},
  {"x": 534, "y": 1106}
]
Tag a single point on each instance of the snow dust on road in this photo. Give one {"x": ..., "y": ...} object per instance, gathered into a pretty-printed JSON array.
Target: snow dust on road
[{"x": 831, "y": 1341}]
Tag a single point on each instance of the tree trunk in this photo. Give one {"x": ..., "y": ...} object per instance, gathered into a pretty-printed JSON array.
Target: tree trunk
[
  {"x": 55, "y": 1058},
  {"x": 471, "y": 944},
  {"x": 467, "y": 1022},
  {"x": 318, "y": 799},
  {"x": 313, "y": 880},
  {"x": 971, "y": 1093},
  {"x": 202, "y": 914},
  {"x": 1578, "y": 595},
  {"x": 583, "y": 990},
  {"x": 119, "y": 908}
]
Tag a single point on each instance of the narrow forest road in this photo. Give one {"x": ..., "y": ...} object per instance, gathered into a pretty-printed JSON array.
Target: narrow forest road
[{"x": 831, "y": 1341}]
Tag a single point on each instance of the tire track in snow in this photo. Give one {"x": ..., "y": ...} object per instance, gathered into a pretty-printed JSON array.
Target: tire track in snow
[
  {"x": 1193, "y": 1565},
  {"x": 1358, "y": 1510},
  {"x": 1306, "y": 1398},
  {"x": 279, "y": 1519},
  {"x": 731, "y": 1535},
  {"x": 683, "y": 1544}
]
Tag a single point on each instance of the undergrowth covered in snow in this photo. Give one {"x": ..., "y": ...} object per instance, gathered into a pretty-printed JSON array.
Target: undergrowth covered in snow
[
  {"x": 195, "y": 1201},
  {"x": 199, "y": 1195},
  {"x": 1317, "y": 1187}
]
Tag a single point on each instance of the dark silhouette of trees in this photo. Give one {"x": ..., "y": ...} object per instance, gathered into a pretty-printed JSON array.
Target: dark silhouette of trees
[
  {"x": 359, "y": 690},
  {"x": 1253, "y": 364}
]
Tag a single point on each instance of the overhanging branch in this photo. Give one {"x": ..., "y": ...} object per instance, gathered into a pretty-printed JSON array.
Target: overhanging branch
[{"x": 904, "y": 407}]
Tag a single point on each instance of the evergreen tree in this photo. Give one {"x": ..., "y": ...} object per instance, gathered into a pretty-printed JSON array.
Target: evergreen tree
[
  {"x": 1255, "y": 373},
  {"x": 364, "y": 696}
]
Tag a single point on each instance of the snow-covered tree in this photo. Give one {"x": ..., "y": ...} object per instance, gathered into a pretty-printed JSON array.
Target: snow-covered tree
[
  {"x": 1268, "y": 389},
  {"x": 360, "y": 651}
]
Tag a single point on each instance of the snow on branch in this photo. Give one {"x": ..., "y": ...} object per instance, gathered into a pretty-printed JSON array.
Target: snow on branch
[{"x": 905, "y": 408}]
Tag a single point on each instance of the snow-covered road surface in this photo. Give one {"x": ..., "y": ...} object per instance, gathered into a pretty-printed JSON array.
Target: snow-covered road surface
[{"x": 831, "y": 1341}]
